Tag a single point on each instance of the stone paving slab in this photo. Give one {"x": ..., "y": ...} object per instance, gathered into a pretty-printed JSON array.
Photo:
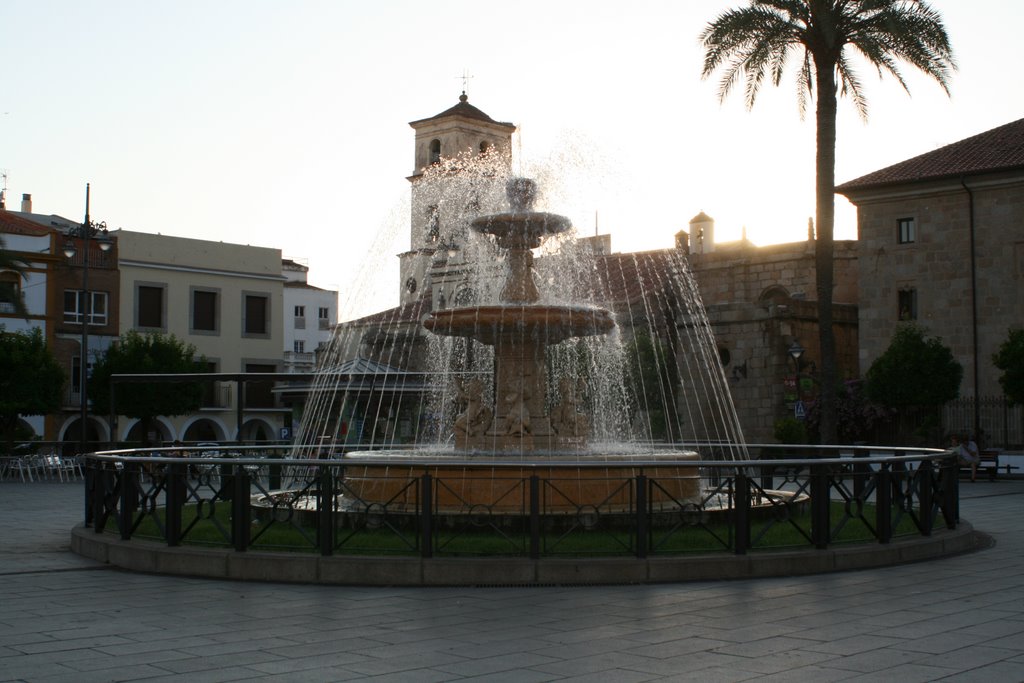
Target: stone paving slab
[{"x": 66, "y": 618}]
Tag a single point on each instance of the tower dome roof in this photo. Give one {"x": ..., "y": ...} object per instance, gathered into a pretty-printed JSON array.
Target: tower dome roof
[
  {"x": 465, "y": 110},
  {"x": 701, "y": 218}
]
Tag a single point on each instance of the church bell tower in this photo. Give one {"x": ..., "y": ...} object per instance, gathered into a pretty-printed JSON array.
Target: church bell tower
[{"x": 460, "y": 130}]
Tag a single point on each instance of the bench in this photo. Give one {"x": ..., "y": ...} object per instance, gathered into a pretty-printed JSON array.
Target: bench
[{"x": 988, "y": 461}]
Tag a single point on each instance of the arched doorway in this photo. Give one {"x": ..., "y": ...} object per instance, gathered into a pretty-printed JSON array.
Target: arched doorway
[
  {"x": 203, "y": 430},
  {"x": 158, "y": 434},
  {"x": 256, "y": 431},
  {"x": 95, "y": 436}
]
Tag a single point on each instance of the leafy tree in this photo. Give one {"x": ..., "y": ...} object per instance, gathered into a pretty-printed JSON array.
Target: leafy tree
[
  {"x": 31, "y": 380},
  {"x": 914, "y": 371},
  {"x": 1010, "y": 359},
  {"x": 756, "y": 41},
  {"x": 8, "y": 292},
  {"x": 152, "y": 353}
]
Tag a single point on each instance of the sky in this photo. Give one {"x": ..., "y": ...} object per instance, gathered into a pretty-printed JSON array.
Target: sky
[{"x": 285, "y": 124}]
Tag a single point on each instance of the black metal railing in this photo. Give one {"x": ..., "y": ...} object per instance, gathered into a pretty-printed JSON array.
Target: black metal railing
[{"x": 255, "y": 499}]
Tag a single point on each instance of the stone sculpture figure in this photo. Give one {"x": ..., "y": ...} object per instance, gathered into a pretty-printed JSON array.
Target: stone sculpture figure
[
  {"x": 566, "y": 419},
  {"x": 477, "y": 416},
  {"x": 517, "y": 410}
]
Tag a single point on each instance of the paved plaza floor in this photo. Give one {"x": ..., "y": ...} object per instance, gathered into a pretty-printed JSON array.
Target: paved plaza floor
[{"x": 65, "y": 618}]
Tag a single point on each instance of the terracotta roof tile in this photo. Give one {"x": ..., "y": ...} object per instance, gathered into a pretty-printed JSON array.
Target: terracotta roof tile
[
  {"x": 16, "y": 225},
  {"x": 999, "y": 149}
]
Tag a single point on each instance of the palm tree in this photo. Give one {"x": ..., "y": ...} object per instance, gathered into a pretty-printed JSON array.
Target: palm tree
[{"x": 755, "y": 42}]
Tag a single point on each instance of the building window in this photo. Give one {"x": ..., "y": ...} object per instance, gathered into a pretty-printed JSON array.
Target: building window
[
  {"x": 324, "y": 316},
  {"x": 150, "y": 311},
  {"x": 908, "y": 304},
  {"x": 300, "y": 311},
  {"x": 76, "y": 374},
  {"x": 435, "y": 151},
  {"x": 256, "y": 309},
  {"x": 299, "y": 346},
  {"x": 10, "y": 290},
  {"x": 204, "y": 310},
  {"x": 259, "y": 393},
  {"x": 75, "y": 307},
  {"x": 300, "y": 318},
  {"x": 906, "y": 231}
]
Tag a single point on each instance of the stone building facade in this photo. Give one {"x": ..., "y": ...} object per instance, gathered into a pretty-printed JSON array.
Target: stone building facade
[
  {"x": 760, "y": 301},
  {"x": 942, "y": 245}
]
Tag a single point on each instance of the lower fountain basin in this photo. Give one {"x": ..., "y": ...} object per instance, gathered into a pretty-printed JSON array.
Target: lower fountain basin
[{"x": 469, "y": 482}]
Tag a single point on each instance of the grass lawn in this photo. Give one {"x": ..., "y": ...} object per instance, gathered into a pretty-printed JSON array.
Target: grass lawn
[{"x": 209, "y": 525}]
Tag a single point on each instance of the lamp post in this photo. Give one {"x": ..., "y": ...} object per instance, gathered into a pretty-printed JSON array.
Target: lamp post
[
  {"x": 86, "y": 231},
  {"x": 795, "y": 352}
]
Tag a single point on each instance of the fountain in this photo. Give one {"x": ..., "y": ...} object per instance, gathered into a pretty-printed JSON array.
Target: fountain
[{"x": 519, "y": 413}]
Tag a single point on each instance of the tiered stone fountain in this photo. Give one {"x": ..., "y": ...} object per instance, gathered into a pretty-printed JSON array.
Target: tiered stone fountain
[{"x": 520, "y": 425}]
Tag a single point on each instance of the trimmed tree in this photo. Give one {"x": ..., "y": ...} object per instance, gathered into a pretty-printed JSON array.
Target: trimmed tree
[
  {"x": 31, "y": 381},
  {"x": 1010, "y": 359},
  {"x": 753, "y": 44},
  {"x": 152, "y": 353},
  {"x": 915, "y": 372}
]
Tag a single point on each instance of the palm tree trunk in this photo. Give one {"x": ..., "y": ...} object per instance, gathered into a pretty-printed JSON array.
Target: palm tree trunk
[{"x": 825, "y": 167}]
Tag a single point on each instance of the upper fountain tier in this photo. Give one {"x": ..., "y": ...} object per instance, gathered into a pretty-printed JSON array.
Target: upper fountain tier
[
  {"x": 522, "y": 227},
  {"x": 517, "y": 232}
]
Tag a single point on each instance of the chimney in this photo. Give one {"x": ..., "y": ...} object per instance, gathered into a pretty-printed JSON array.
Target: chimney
[{"x": 26, "y": 203}]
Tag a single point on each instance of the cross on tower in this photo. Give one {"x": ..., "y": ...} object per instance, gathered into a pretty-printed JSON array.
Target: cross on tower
[{"x": 465, "y": 80}]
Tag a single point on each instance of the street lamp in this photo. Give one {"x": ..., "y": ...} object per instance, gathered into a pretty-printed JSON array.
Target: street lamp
[
  {"x": 795, "y": 351},
  {"x": 86, "y": 231}
]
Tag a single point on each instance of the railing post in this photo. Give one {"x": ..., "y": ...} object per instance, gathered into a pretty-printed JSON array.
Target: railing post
[
  {"x": 861, "y": 472},
  {"x": 767, "y": 473},
  {"x": 90, "y": 485},
  {"x": 951, "y": 491},
  {"x": 241, "y": 512},
  {"x": 642, "y": 540},
  {"x": 325, "y": 505},
  {"x": 819, "y": 506},
  {"x": 883, "y": 502},
  {"x": 129, "y": 497},
  {"x": 427, "y": 515},
  {"x": 924, "y": 495},
  {"x": 175, "y": 501},
  {"x": 534, "y": 503},
  {"x": 101, "y": 477},
  {"x": 741, "y": 503}
]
